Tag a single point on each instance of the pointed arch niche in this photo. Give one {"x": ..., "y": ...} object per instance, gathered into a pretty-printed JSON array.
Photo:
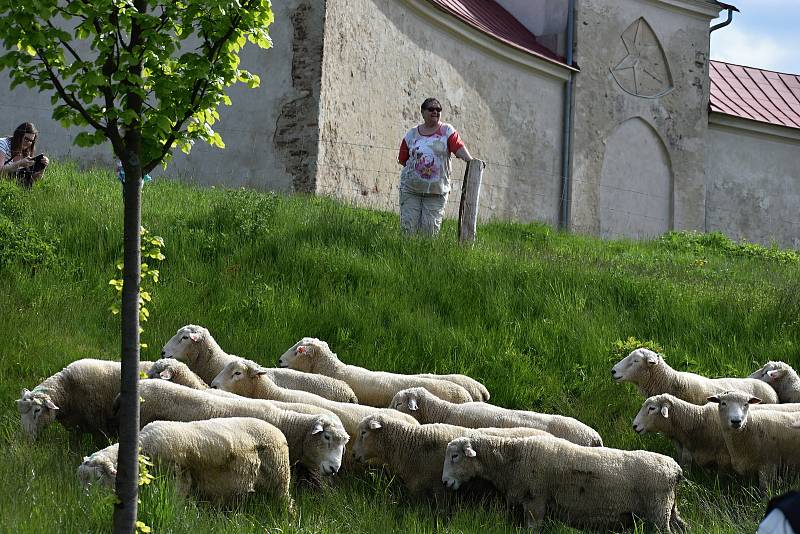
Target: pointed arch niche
[{"x": 635, "y": 191}]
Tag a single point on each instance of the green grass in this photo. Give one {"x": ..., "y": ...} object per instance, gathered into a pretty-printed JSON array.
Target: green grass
[{"x": 531, "y": 312}]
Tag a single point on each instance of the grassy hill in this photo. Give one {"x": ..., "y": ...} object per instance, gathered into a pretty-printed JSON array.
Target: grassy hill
[{"x": 537, "y": 315}]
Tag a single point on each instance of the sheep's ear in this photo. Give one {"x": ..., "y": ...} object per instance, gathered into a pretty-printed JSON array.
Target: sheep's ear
[
  {"x": 713, "y": 398},
  {"x": 25, "y": 394},
  {"x": 48, "y": 403},
  {"x": 651, "y": 359},
  {"x": 260, "y": 371},
  {"x": 111, "y": 471},
  {"x": 166, "y": 374},
  {"x": 776, "y": 373},
  {"x": 317, "y": 428},
  {"x": 665, "y": 411},
  {"x": 86, "y": 459},
  {"x": 302, "y": 349},
  {"x": 469, "y": 452},
  {"x": 412, "y": 405},
  {"x": 374, "y": 424},
  {"x": 194, "y": 336},
  {"x": 754, "y": 400}
]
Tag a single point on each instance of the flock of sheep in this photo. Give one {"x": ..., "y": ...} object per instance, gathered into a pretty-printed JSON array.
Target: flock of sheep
[{"x": 229, "y": 426}]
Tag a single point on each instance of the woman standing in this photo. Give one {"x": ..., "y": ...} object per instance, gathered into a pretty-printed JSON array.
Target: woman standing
[
  {"x": 17, "y": 155},
  {"x": 425, "y": 179}
]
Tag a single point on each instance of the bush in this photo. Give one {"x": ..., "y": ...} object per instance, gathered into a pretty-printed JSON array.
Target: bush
[{"x": 720, "y": 243}]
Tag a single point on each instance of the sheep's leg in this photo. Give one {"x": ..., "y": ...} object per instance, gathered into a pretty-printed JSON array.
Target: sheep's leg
[
  {"x": 676, "y": 523},
  {"x": 767, "y": 474},
  {"x": 534, "y": 508}
]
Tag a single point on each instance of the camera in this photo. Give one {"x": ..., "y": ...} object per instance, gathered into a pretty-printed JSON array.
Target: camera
[{"x": 38, "y": 164}]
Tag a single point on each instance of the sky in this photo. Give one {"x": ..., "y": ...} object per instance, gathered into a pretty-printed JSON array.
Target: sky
[{"x": 765, "y": 34}]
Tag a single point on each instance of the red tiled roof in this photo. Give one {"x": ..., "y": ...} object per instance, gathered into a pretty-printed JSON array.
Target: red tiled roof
[
  {"x": 755, "y": 94},
  {"x": 491, "y": 18}
]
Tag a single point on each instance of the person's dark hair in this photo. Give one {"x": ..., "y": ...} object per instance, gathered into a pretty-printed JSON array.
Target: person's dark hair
[
  {"x": 427, "y": 103},
  {"x": 26, "y": 128}
]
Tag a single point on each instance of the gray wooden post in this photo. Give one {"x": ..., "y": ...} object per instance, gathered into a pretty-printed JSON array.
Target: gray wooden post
[{"x": 470, "y": 193}]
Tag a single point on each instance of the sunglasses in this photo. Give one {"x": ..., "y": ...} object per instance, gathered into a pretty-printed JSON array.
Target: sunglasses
[
  {"x": 29, "y": 139},
  {"x": 437, "y": 110}
]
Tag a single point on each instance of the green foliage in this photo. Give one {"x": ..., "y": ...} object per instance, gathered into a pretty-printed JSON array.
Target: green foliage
[
  {"x": 155, "y": 71},
  {"x": 150, "y": 249},
  {"x": 20, "y": 242},
  {"x": 245, "y": 211},
  {"x": 620, "y": 348},
  {"x": 719, "y": 243}
]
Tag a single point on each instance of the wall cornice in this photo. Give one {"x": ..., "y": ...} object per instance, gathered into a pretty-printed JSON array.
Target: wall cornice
[
  {"x": 462, "y": 30},
  {"x": 753, "y": 127},
  {"x": 702, "y": 9}
]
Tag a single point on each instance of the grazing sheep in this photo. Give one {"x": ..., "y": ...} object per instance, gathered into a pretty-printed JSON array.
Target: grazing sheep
[
  {"x": 177, "y": 372},
  {"x": 221, "y": 458},
  {"x": 195, "y": 346},
  {"x": 246, "y": 378},
  {"x": 587, "y": 487},
  {"x": 784, "y": 380},
  {"x": 414, "y": 452},
  {"x": 476, "y": 390},
  {"x": 693, "y": 429},
  {"x": 653, "y": 376},
  {"x": 427, "y": 408},
  {"x": 759, "y": 441},
  {"x": 373, "y": 388},
  {"x": 80, "y": 397},
  {"x": 317, "y": 440}
]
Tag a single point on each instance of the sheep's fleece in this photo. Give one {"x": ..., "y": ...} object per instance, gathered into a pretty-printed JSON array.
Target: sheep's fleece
[
  {"x": 783, "y": 379},
  {"x": 220, "y": 458},
  {"x": 586, "y": 487}
]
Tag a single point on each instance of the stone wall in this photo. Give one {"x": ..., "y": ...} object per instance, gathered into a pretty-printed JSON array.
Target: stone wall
[
  {"x": 382, "y": 59},
  {"x": 640, "y": 116},
  {"x": 753, "y": 181}
]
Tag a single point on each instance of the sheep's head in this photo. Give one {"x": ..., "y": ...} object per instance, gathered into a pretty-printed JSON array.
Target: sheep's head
[
  {"x": 460, "y": 463},
  {"x": 773, "y": 372},
  {"x": 635, "y": 366},
  {"x": 36, "y": 410},
  {"x": 185, "y": 345},
  {"x": 239, "y": 376},
  {"x": 165, "y": 369},
  {"x": 324, "y": 445},
  {"x": 306, "y": 355},
  {"x": 733, "y": 408},
  {"x": 653, "y": 415},
  {"x": 100, "y": 467},
  {"x": 412, "y": 401},
  {"x": 367, "y": 445}
]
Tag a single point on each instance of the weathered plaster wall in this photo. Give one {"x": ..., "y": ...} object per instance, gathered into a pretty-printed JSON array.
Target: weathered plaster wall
[
  {"x": 270, "y": 132},
  {"x": 644, "y": 59},
  {"x": 382, "y": 59},
  {"x": 753, "y": 182}
]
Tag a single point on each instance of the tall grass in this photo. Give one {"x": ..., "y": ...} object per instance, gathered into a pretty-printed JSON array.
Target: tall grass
[{"x": 531, "y": 312}]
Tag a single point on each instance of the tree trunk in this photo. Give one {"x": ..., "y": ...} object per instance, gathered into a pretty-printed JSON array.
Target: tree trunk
[{"x": 127, "y": 484}]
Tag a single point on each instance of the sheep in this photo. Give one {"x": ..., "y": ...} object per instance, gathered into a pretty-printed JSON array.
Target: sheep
[
  {"x": 414, "y": 452},
  {"x": 80, "y": 397},
  {"x": 693, "y": 429},
  {"x": 759, "y": 441},
  {"x": 782, "y": 378},
  {"x": 373, "y": 388},
  {"x": 195, "y": 346},
  {"x": 219, "y": 458},
  {"x": 594, "y": 487},
  {"x": 476, "y": 390},
  {"x": 247, "y": 378},
  {"x": 653, "y": 376},
  {"x": 316, "y": 439},
  {"x": 427, "y": 408},
  {"x": 177, "y": 372}
]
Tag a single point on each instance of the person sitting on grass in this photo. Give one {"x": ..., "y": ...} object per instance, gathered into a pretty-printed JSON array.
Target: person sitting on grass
[{"x": 17, "y": 154}]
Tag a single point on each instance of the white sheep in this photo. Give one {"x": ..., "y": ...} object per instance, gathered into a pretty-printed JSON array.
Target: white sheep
[
  {"x": 476, "y": 390},
  {"x": 195, "y": 346},
  {"x": 247, "y": 378},
  {"x": 374, "y": 388},
  {"x": 783, "y": 379},
  {"x": 80, "y": 397},
  {"x": 316, "y": 438},
  {"x": 759, "y": 441},
  {"x": 414, "y": 452},
  {"x": 653, "y": 376},
  {"x": 217, "y": 458},
  {"x": 427, "y": 408},
  {"x": 177, "y": 372},
  {"x": 693, "y": 429},
  {"x": 586, "y": 487}
]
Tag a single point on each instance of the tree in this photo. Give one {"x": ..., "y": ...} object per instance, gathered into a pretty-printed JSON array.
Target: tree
[{"x": 148, "y": 76}]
